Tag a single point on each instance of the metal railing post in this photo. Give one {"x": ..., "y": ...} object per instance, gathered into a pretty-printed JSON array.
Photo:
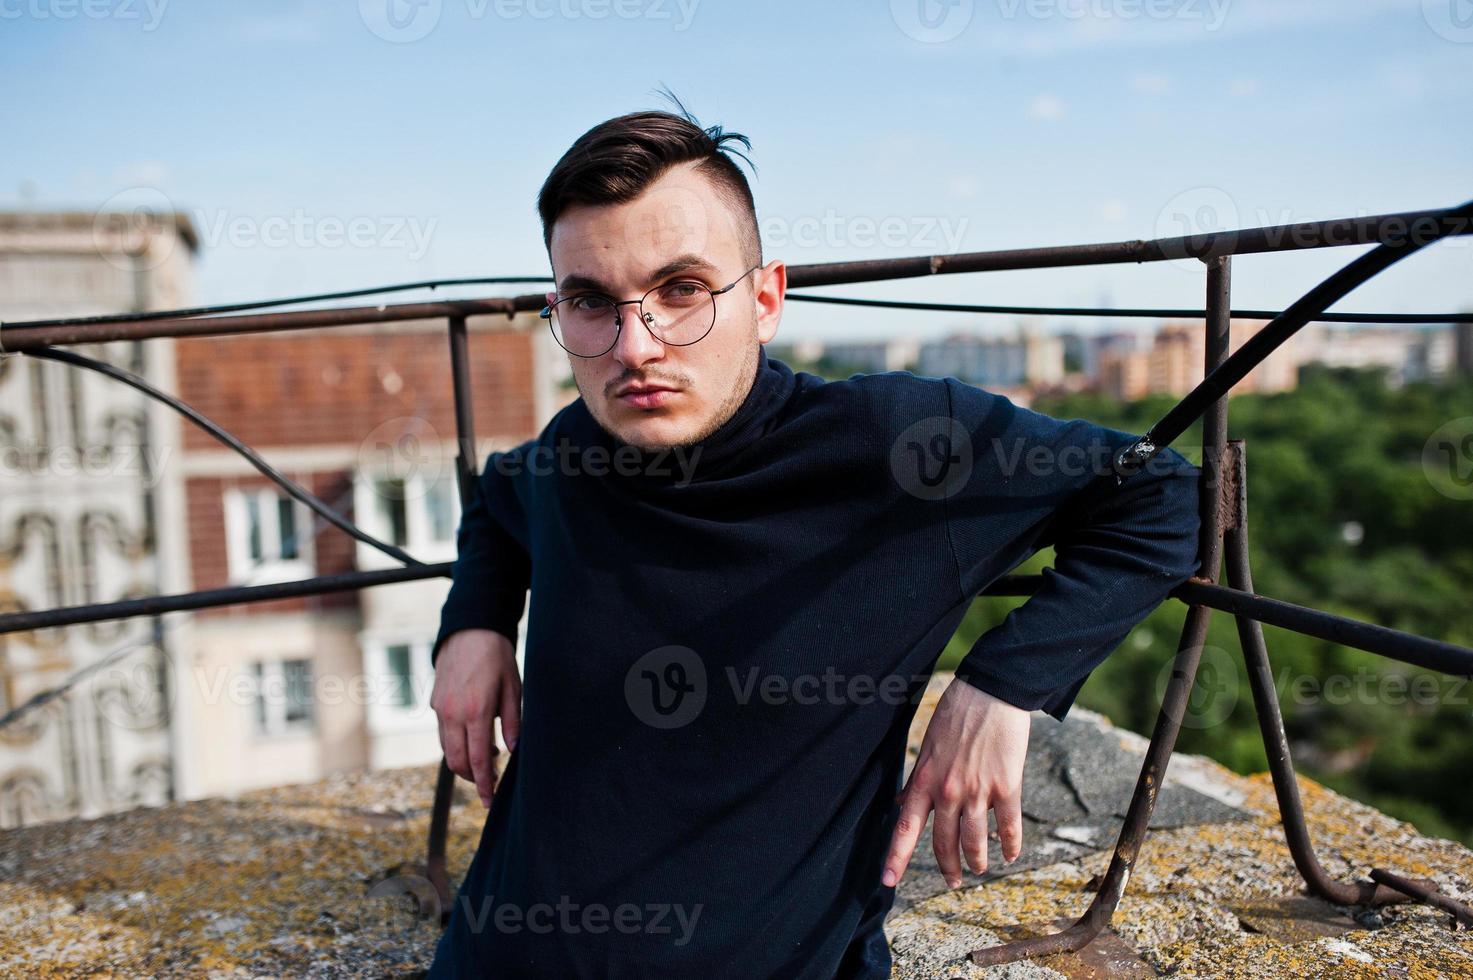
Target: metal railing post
[
  {"x": 465, "y": 474},
  {"x": 1271, "y": 725},
  {"x": 1174, "y": 701}
]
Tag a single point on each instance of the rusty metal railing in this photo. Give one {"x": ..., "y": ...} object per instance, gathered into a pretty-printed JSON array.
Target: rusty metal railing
[{"x": 1223, "y": 493}]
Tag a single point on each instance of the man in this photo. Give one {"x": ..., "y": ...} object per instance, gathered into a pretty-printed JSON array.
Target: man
[{"x": 741, "y": 578}]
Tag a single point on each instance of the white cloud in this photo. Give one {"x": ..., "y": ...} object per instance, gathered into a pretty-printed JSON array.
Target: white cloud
[
  {"x": 295, "y": 22},
  {"x": 1148, "y": 84},
  {"x": 1047, "y": 106},
  {"x": 1403, "y": 79},
  {"x": 1045, "y": 28},
  {"x": 141, "y": 173},
  {"x": 963, "y": 186}
]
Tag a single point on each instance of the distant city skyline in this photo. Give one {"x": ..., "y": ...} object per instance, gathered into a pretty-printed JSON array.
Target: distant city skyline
[{"x": 1142, "y": 358}]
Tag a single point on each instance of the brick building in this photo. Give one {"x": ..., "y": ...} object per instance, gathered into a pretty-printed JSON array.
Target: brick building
[
  {"x": 106, "y": 495},
  {"x": 1171, "y": 362},
  {"x": 294, "y": 689}
]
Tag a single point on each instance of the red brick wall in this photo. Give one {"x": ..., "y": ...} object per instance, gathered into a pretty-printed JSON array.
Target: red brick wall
[
  {"x": 329, "y": 389},
  {"x": 321, "y": 386},
  {"x": 332, "y": 549}
]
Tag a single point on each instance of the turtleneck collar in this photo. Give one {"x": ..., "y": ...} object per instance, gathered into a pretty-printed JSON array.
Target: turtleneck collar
[{"x": 772, "y": 386}]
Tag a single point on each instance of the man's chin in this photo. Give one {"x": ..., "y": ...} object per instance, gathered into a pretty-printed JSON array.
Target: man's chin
[{"x": 651, "y": 434}]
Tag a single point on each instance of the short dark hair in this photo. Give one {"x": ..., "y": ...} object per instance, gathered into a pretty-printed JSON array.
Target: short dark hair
[{"x": 615, "y": 161}]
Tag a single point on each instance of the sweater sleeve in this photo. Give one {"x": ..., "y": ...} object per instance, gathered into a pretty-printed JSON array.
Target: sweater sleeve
[
  {"x": 1115, "y": 560},
  {"x": 492, "y": 569}
]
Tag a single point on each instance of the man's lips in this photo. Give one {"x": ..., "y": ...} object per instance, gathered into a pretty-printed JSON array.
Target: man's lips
[
  {"x": 647, "y": 396},
  {"x": 640, "y": 386}
]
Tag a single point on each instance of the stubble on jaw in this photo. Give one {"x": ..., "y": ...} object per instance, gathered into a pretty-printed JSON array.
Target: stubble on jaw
[{"x": 733, "y": 401}]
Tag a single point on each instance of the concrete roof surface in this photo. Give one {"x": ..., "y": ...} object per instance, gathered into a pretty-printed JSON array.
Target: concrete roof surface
[{"x": 276, "y": 882}]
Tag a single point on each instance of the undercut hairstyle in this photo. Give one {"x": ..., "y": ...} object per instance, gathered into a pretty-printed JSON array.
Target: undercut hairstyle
[{"x": 615, "y": 161}]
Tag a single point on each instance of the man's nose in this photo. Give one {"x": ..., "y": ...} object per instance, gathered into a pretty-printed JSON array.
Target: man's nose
[{"x": 635, "y": 343}]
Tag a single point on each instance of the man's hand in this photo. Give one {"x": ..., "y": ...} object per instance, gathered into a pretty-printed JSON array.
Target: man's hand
[
  {"x": 476, "y": 680},
  {"x": 971, "y": 761}
]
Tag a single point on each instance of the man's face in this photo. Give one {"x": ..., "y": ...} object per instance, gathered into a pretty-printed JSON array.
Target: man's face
[{"x": 680, "y": 228}]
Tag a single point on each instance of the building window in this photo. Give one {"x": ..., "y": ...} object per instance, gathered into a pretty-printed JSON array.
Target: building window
[
  {"x": 419, "y": 513},
  {"x": 283, "y": 696},
  {"x": 442, "y": 505},
  {"x": 400, "y": 675},
  {"x": 267, "y": 536},
  {"x": 393, "y": 509},
  {"x": 397, "y": 666}
]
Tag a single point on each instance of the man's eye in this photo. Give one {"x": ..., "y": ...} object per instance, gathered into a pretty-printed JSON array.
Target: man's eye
[
  {"x": 587, "y": 304},
  {"x": 683, "y": 290}
]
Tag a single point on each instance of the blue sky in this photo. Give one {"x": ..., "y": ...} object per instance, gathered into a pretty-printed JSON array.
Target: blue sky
[{"x": 335, "y": 145}]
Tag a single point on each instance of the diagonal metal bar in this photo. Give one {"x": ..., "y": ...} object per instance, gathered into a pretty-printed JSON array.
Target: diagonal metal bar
[
  {"x": 1311, "y": 305},
  {"x": 1137, "y": 817},
  {"x": 251, "y": 456}
]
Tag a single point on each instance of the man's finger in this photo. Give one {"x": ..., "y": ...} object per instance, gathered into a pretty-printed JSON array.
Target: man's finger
[
  {"x": 944, "y": 842},
  {"x": 452, "y": 740},
  {"x": 1009, "y": 812},
  {"x": 974, "y": 837},
  {"x": 481, "y": 750},
  {"x": 914, "y": 809}
]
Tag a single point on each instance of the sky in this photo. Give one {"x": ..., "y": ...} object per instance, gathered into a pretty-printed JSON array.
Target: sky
[{"x": 337, "y": 145}]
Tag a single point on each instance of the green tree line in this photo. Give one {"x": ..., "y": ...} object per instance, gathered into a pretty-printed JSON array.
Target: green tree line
[{"x": 1342, "y": 516}]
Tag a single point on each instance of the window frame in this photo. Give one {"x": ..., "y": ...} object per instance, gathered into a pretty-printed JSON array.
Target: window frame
[
  {"x": 243, "y": 569},
  {"x": 269, "y": 715},
  {"x": 383, "y": 715},
  {"x": 419, "y": 541}
]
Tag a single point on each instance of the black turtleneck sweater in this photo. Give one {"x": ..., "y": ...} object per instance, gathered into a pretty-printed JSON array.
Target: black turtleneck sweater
[{"x": 726, "y": 645}]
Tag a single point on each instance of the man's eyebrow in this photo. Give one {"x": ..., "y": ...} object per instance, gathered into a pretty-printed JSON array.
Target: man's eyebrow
[
  {"x": 574, "y": 281},
  {"x": 683, "y": 263}
]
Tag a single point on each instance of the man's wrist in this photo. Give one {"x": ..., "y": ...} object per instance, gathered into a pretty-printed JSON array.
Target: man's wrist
[{"x": 996, "y": 688}]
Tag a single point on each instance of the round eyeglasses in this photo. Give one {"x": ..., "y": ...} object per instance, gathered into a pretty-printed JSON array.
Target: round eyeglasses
[{"x": 678, "y": 313}]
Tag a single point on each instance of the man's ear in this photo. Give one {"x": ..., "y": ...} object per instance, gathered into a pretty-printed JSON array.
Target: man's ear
[{"x": 772, "y": 287}]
